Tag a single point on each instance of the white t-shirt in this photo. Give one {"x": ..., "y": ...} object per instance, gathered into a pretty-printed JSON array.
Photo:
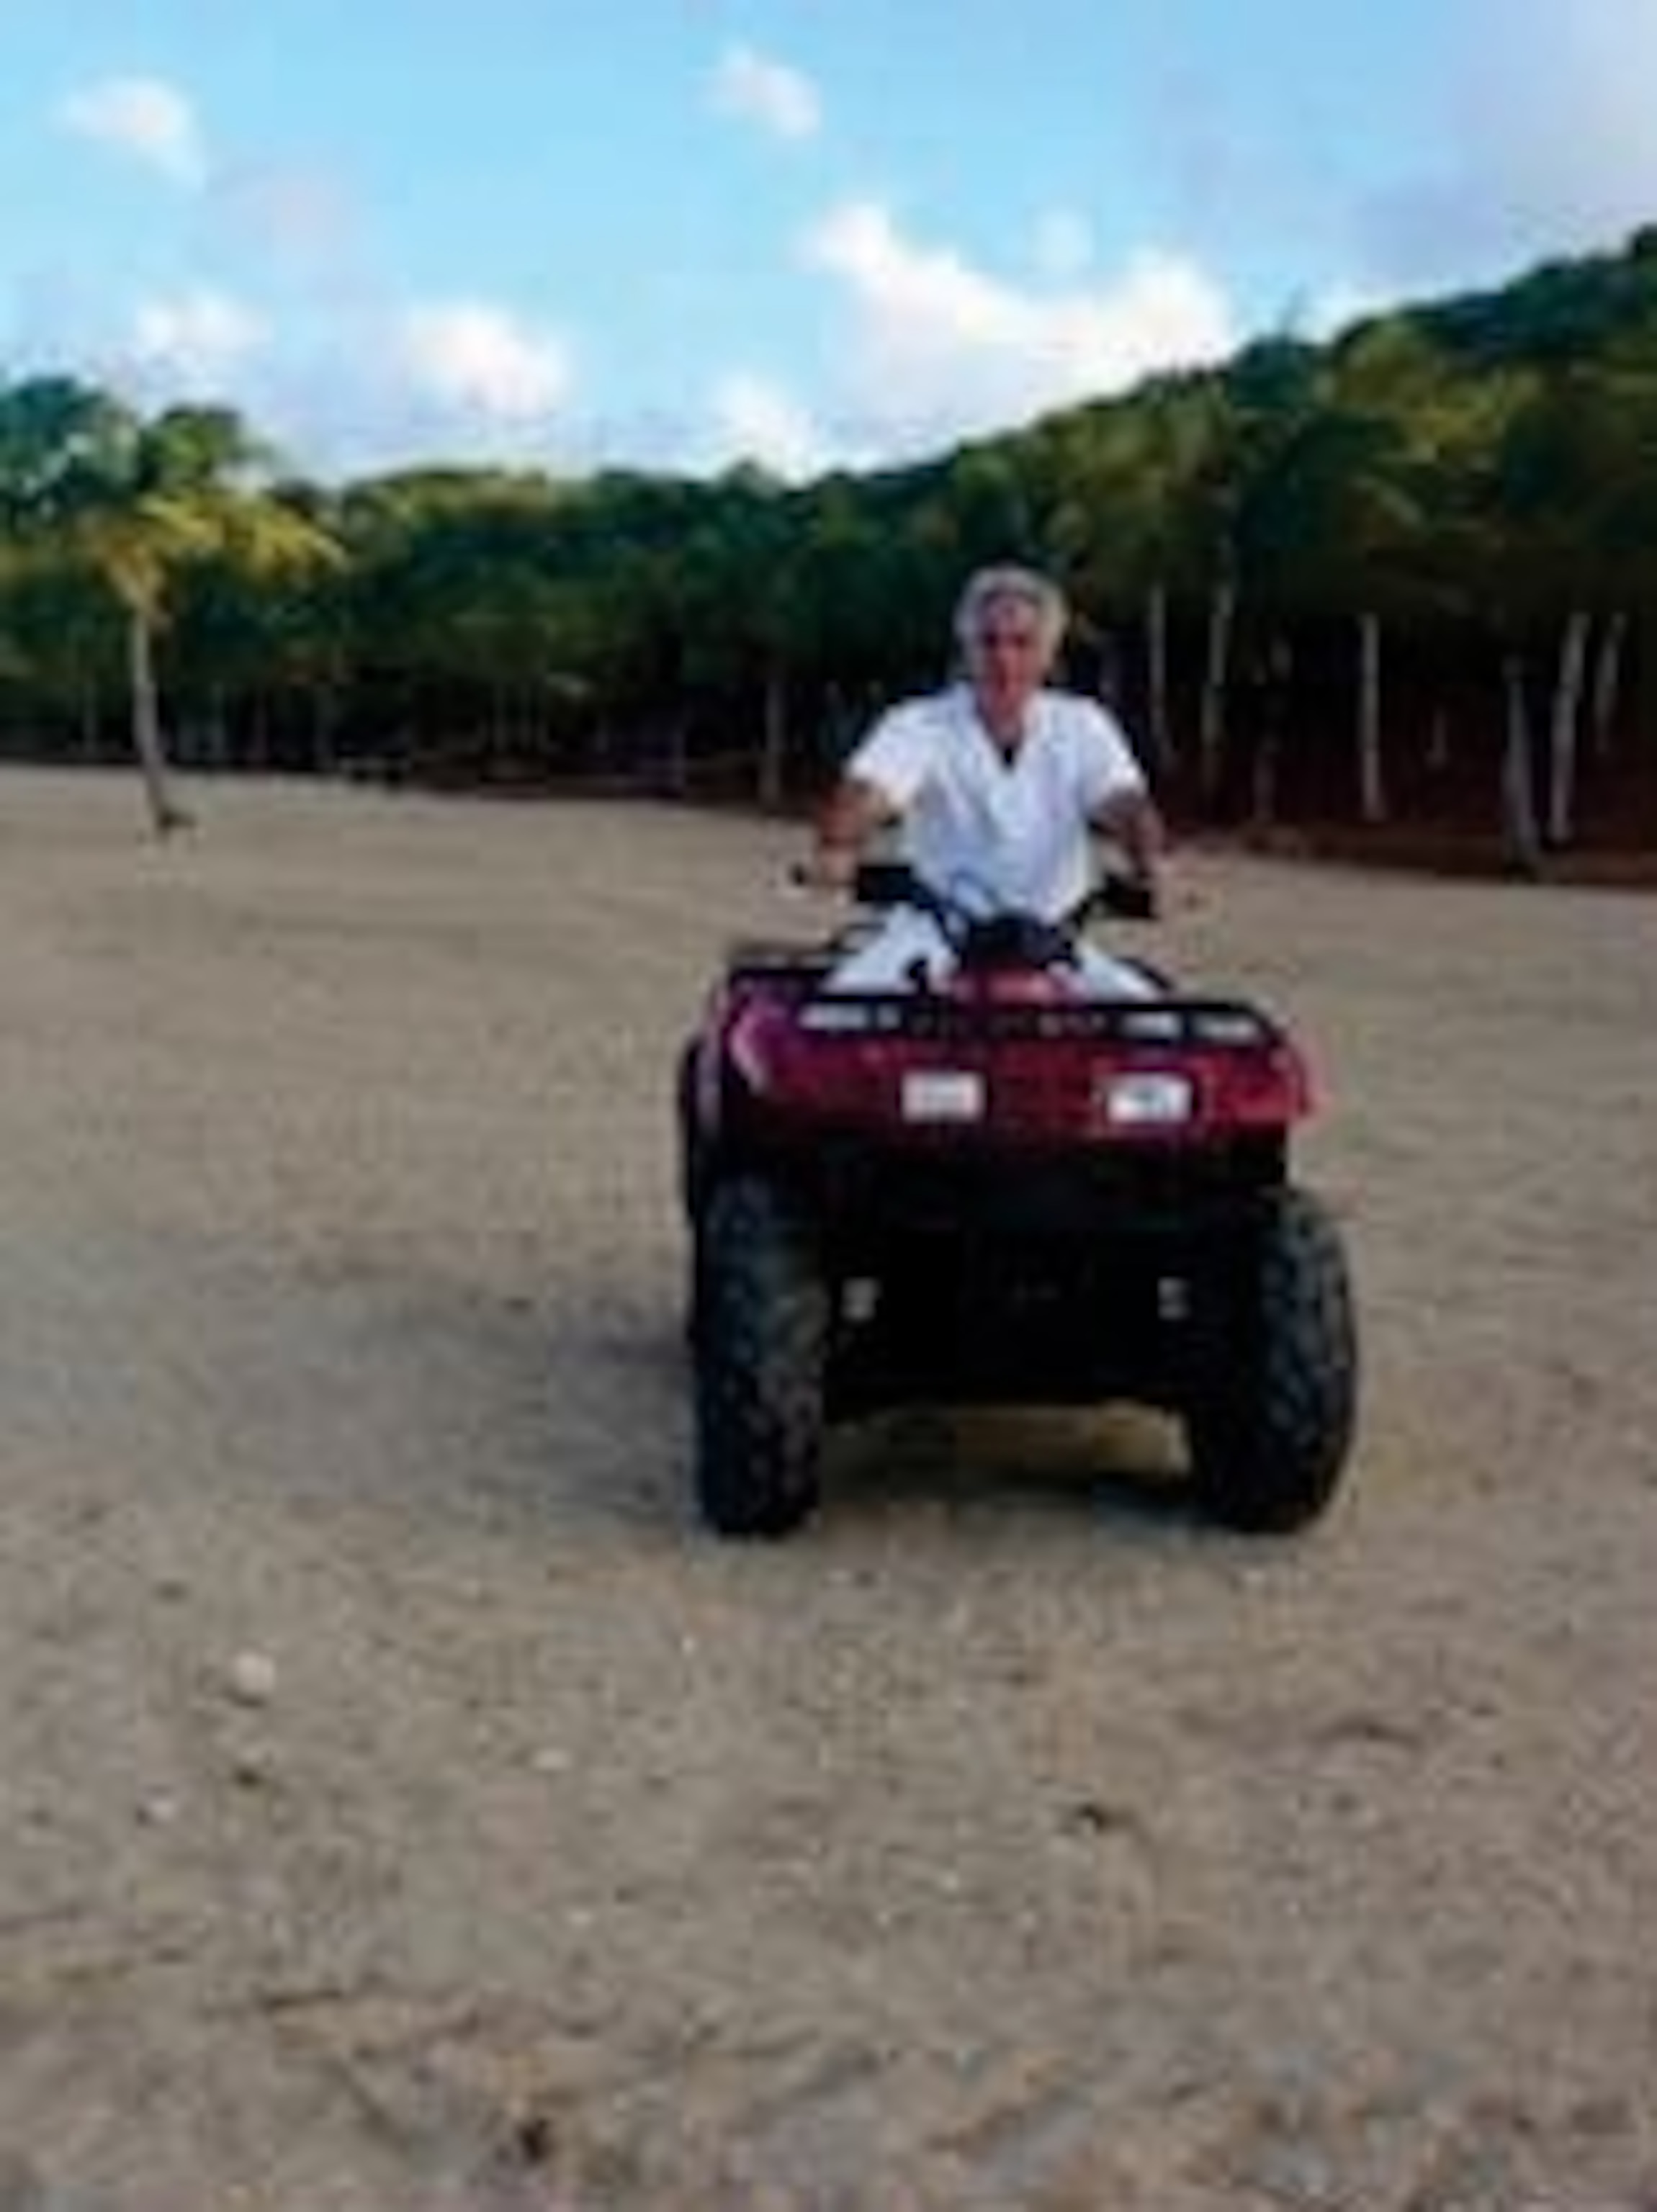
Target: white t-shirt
[{"x": 1016, "y": 828}]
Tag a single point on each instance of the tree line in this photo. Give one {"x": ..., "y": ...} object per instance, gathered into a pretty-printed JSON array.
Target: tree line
[{"x": 1405, "y": 576}]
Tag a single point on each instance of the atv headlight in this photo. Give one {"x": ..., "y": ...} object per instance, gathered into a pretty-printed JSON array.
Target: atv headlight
[
  {"x": 1151, "y": 1024},
  {"x": 1147, "y": 1098},
  {"x": 1229, "y": 1025},
  {"x": 850, "y": 1017}
]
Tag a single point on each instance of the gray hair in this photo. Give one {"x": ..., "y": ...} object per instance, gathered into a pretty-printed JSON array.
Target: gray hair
[{"x": 1026, "y": 587}]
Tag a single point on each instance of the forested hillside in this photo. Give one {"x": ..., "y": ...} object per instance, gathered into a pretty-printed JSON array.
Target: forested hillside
[{"x": 1404, "y": 583}]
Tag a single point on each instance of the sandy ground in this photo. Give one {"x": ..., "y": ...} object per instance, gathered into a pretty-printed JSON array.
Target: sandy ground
[{"x": 406, "y": 1809}]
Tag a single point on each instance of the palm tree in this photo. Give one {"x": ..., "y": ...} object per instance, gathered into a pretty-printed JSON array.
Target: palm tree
[
  {"x": 195, "y": 490},
  {"x": 89, "y": 485},
  {"x": 1119, "y": 527}
]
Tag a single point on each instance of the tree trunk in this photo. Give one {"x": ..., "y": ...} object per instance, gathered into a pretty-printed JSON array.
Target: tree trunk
[
  {"x": 1156, "y": 677},
  {"x": 1521, "y": 836},
  {"x": 1607, "y": 685},
  {"x": 323, "y": 754},
  {"x": 260, "y": 744},
  {"x": 166, "y": 814},
  {"x": 1211, "y": 723},
  {"x": 1274, "y": 675},
  {"x": 91, "y": 720},
  {"x": 218, "y": 727},
  {"x": 1371, "y": 789},
  {"x": 497, "y": 727},
  {"x": 1438, "y": 739},
  {"x": 676, "y": 766},
  {"x": 1263, "y": 793},
  {"x": 1564, "y": 729},
  {"x": 773, "y": 751}
]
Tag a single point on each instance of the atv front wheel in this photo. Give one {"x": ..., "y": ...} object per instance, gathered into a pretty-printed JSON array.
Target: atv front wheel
[
  {"x": 761, "y": 1340},
  {"x": 1272, "y": 1421}
]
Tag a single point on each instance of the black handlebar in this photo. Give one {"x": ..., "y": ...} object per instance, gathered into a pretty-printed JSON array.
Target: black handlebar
[
  {"x": 894, "y": 883},
  {"x": 1008, "y": 938},
  {"x": 1126, "y": 898}
]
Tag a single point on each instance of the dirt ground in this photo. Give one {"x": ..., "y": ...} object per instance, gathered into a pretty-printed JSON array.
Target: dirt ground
[{"x": 406, "y": 1809}]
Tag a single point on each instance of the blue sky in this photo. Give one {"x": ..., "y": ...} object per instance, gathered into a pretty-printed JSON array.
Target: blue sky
[{"x": 812, "y": 233}]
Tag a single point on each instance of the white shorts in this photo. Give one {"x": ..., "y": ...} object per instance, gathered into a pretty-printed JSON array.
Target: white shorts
[{"x": 908, "y": 950}]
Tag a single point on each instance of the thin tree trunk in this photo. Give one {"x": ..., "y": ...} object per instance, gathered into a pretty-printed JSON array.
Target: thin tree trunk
[
  {"x": 1607, "y": 685},
  {"x": 91, "y": 720},
  {"x": 324, "y": 754},
  {"x": 1263, "y": 793},
  {"x": 260, "y": 743},
  {"x": 1520, "y": 834},
  {"x": 1371, "y": 790},
  {"x": 497, "y": 727},
  {"x": 1211, "y": 723},
  {"x": 166, "y": 814},
  {"x": 1564, "y": 727},
  {"x": 218, "y": 727},
  {"x": 1438, "y": 739},
  {"x": 676, "y": 766},
  {"x": 1156, "y": 670},
  {"x": 773, "y": 750},
  {"x": 1275, "y": 673}
]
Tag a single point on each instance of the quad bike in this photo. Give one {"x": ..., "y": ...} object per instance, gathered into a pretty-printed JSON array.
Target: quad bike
[{"x": 1002, "y": 1187}]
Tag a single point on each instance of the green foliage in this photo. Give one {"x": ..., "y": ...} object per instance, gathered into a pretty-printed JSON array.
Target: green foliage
[{"x": 1485, "y": 463}]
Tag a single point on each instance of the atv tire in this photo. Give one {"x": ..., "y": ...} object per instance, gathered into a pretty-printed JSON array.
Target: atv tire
[
  {"x": 692, "y": 1145},
  {"x": 693, "y": 1177},
  {"x": 761, "y": 1341},
  {"x": 1272, "y": 1422}
]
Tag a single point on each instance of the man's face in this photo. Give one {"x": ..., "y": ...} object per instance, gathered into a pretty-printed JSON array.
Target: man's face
[{"x": 1007, "y": 660}]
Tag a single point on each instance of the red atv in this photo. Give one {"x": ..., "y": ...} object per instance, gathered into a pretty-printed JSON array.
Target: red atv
[{"x": 1002, "y": 1187}]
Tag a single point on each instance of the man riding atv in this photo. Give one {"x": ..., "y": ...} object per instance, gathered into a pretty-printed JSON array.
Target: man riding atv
[
  {"x": 998, "y": 782},
  {"x": 960, "y": 1154}
]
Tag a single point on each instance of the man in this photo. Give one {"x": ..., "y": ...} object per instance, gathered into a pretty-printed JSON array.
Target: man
[{"x": 999, "y": 783}]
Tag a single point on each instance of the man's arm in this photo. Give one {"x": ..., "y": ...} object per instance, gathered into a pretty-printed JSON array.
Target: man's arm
[
  {"x": 1131, "y": 818},
  {"x": 851, "y": 814}
]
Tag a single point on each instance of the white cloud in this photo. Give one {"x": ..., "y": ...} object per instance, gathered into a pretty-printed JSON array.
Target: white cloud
[
  {"x": 759, "y": 90},
  {"x": 757, "y": 421},
  {"x": 476, "y": 358},
  {"x": 940, "y": 349},
  {"x": 198, "y": 335},
  {"x": 145, "y": 117}
]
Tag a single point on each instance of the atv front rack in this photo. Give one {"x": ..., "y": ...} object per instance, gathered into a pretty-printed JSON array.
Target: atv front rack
[{"x": 1167, "y": 1023}]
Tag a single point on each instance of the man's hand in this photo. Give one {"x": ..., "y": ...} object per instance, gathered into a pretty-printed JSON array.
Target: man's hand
[
  {"x": 1132, "y": 822},
  {"x": 827, "y": 868},
  {"x": 853, "y": 812}
]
